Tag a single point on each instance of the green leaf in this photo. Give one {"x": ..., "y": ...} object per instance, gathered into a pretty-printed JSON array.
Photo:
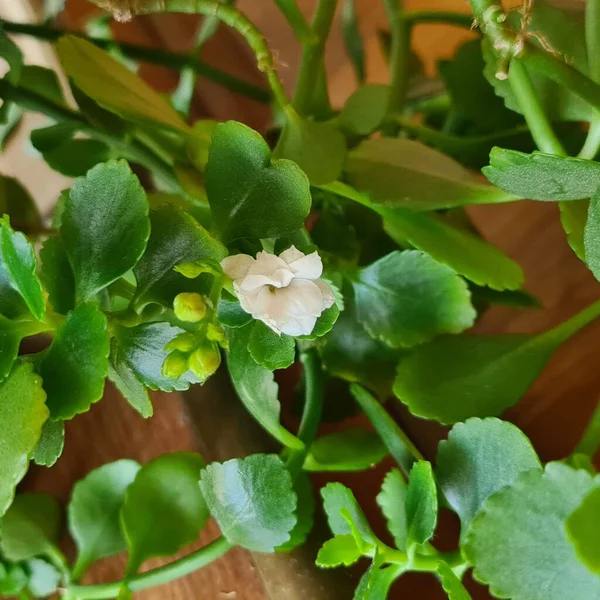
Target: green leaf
[
  {"x": 583, "y": 529},
  {"x": 407, "y": 298},
  {"x": 15, "y": 581},
  {"x": 465, "y": 253},
  {"x": 30, "y": 527},
  {"x": 305, "y": 512},
  {"x": 231, "y": 314},
  {"x": 376, "y": 582},
  {"x": 23, "y": 412},
  {"x": 479, "y": 458},
  {"x": 105, "y": 226},
  {"x": 175, "y": 238},
  {"x": 11, "y": 117},
  {"x": 392, "y": 501},
  {"x": 338, "y": 499},
  {"x": 340, "y": 550},
  {"x": 19, "y": 261},
  {"x": 57, "y": 275},
  {"x": 50, "y": 445},
  {"x": 76, "y": 364},
  {"x": 11, "y": 334},
  {"x": 540, "y": 176},
  {"x": 269, "y": 349},
  {"x": 142, "y": 348},
  {"x": 43, "y": 82},
  {"x": 421, "y": 504},
  {"x": 592, "y": 236},
  {"x": 518, "y": 543},
  {"x": 164, "y": 509},
  {"x": 17, "y": 203},
  {"x": 354, "y": 449},
  {"x": 573, "y": 217},
  {"x": 44, "y": 578},
  {"x": 353, "y": 41},
  {"x": 324, "y": 324},
  {"x": 319, "y": 149},
  {"x": 114, "y": 87},
  {"x": 256, "y": 387},
  {"x": 11, "y": 54},
  {"x": 250, "y": 195},
  {"x": 123, "y": 376},
  {"x": 396, "y": 172},
  {"x": 94, "y": 512},
  {"x": 252, "y": 499},
  {"x": 451, "y": 583},
  {"x": 365, "y": 110}
]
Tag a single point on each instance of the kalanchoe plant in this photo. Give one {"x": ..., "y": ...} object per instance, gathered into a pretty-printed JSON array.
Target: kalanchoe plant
[{"x": 213, "y": 262}]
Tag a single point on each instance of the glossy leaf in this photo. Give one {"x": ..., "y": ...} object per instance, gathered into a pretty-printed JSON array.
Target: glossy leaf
[
  {"x": 44, "y": 578},
  {"x": 396, "y": 172},
  {"x": 30, "y": 527},
  {"x": 105, "y": 226},
  {"x": 23, "y": 412},
  {"x": 231, "y": 314},
  {"x": 256, "y": 387},
  {"x": 353, "y": 41},
  {"x": 113, "y": 86},
  {"x": 540, "y": 176},
  {"x": 452, "y": 585},
  {"x": 518, "y": 543},
  {"x": 352, "y": 449},
  {"x": 252, "y": 499},
  {"x": 319, "y": 149},
  {"x": 51, "y": 444},
  {"x": 17, "y": 203},
  {"x": 94, "y": 512},
  {"x": 392, "y": 501},
  {"x": 76, "y": 364},
  {"x": 324, "y": 324},
  {"x": 338, "y": 551},
  {"x": 479, "y": 458},
  {"x": 421, "y": 504},
  {"x": 269, "y": 349},
  {"x": 583, "y": 529},
  {"x": 250, "y": 195},
  {"x": 164, "y": 509},
  {"x": 592, "y": 236},
  {"x": 365, "y": 110},
  {"x": 407, "y": 298},
  {"x": 57, "y": 275}
]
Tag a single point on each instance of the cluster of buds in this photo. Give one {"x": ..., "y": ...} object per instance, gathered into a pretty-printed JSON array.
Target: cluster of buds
[{"x": 197, "y": 351}]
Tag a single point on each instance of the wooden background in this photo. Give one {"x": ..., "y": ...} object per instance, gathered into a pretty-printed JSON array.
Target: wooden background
[{"x": 554, "y": 411}]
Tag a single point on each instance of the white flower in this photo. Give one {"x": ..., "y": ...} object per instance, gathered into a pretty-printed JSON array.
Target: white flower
[{"x": 285, "y": 292}]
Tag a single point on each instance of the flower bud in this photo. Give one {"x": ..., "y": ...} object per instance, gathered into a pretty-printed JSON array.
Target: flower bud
[
  {"x": 205, "y": 361},
  {"x": 215, "y": 333},
  {"x": 185, "y": 342},
  {"x": 189, "y": 307},
  {"x": 175, "y": 365}
]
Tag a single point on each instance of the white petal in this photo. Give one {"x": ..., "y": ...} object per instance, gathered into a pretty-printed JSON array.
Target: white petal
[
  {"x": 245, "y": 298},
  {"x": 307, "y": 267},
  {"x": 328, "y": 296},
  {"x": 298, "y": 326},
  {"x": 237, "y": 266},
  {"x": 291, "y": 254},
  {"x": 280, "y": 278},
  {"x": 267, "y": 264},
  {"x": 302, "y": 298}
]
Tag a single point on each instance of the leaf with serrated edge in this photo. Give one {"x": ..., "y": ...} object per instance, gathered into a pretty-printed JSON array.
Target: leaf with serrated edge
[
  {"x": 421, "y": 504},
  {"x": 392, "y": 501},
  {"x": 583, "y": 529},
  {"x": 51, "y": 444},
  {"x": 269, "y": 349},
  {"x": 340, "y": 550}
]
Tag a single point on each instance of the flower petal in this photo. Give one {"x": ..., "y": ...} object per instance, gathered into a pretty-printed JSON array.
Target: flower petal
[
  {"x": 267, "y": 264},
  {"x": 281, "y": 278},
  {"x": 302, "y": 298},
  {"x": 291, "y": 254},
  {"x": 307, "y": 267},
  {"x": 237, "y": 266},
  {"x": 328, "y": 296}
]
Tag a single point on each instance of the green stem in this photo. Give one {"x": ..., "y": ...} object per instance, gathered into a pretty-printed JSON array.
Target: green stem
[
  {"x": 589, "y": 444},
  {"x": 297, "y": 21},
  {"x": 414, "y": 17},
  {"x": 313, "y": 408},
  {"x": 312, "y": 59},
  {"x": 175, "y": 570},
  {"x": 561, "y": 333},
  {"x": 157, "y": 56}
]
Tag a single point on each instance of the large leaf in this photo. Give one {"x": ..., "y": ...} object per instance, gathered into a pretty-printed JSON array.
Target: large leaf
[
  {"x": 51, "y": 444},
  {"x": 421, "y": 504},
  {"x": 269, "y": 349},
  {"x": 23, "y": 412},
  {"x": 114, "y": 86},
  {"x": 392, "y": 501},
  {"x": 105, "y": 226},
  {"x": 250, "y": 195},
  {"x": 583, "y": 529},
  {"x": 407, "y": 298},
  {"x": 396, "y": 172},
  {"x": 252, "y": 499},
  {"x": 365, "y": 110},
  {"x": 164, "y": 509},
  {"x": 95, "y": 509},
  {"x": 518, "y": 543},
  {"x": 479, "y": 458},
  {"x": 76, "y": 364}
]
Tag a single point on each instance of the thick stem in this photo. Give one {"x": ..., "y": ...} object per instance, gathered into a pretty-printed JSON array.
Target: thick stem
[
  {"x": 175, "y": 570},
  {"x": 297, "y": 21},
  {"x": 589, "y": 444}
]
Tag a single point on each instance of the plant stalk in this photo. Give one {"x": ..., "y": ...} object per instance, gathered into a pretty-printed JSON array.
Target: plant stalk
[
  {"x": 589, "y": 444},
  {"x": 296, "y": 20},
  {"x": 592, "y": 41}
]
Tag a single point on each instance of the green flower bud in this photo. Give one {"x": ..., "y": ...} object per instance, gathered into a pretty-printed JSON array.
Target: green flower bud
[
  {"x": 175, "y": 365},
  {"x": 190, "y": 307},
  {"x": 215, "y": 333},
  {"x": 205, "y": 361},
  {"x": 185, "y": 342}
]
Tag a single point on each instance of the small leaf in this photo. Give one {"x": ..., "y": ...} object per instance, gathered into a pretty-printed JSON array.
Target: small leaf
[
  {"x": 592, "y": 236},
  {"x": 451, "y": 583},
  {"x": 43, "y": 82},
  {"x": 479, "y": 458},
  {"x": 541, "y": 176},
  {"x": 348, "y": 450},
  {"x": 252, "y": 499},
  {"x": 11, "y": 334},
  {"x": 44, "y": 578},
  {"x": 57, "y": 275},
  {"x": 76, "y": 364},
  {"x": 164, "y": 509},
  {"x": 376, "y": 582},
  {"x": 518, "y": 543},
  {"x": 250, "y": 195},
  {"x": 392, "y": 501},
  {"x": 17, "y": 203},
  {"x": 50, "y": 445},
  {"x": 341, "y": 550},
  {"x": 15, "y": 581},
  {"x": 365, "y": 110},
  {"x": 269, "y": 349},
  {"x": 94, "y": 512},
  {"x": 11, "y": 54},
  {"x": 105, "y": 226},
  {"x": 421, "y": 504},
  {"x": 30, "y": 527},
  {"x": 256, "y": 387},
  {"x": 583, "y": 529},
  {"x": 23, "y": 412},
  {"x": 407, "y": 298},
  {"x": 353, "y": 41},
  {"x": 574, "y": 216}
]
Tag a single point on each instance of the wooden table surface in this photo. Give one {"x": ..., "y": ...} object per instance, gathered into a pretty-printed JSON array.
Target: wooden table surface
[{"x": 553, "y": 412}]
